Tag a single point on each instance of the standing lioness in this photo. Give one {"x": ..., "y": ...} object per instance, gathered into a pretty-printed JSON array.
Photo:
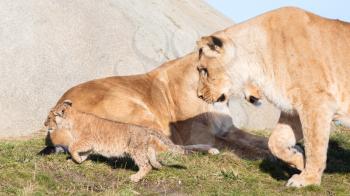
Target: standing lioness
[{"x": 301, "y": 63}]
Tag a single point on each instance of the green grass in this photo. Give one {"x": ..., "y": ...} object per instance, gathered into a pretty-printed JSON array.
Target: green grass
[{"x": 23, "y": 172}]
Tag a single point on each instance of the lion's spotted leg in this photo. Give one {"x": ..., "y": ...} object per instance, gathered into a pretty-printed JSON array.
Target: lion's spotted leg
[
  {"x": 152, "y": 157},
  {"x": 77, "y": 148},
  {"x": 316, "y": 130},
  {"x": 282, "y": 145},
  {"x": 141, "y": 160}
]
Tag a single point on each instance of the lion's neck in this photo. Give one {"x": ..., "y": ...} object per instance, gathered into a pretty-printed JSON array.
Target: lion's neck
[
  {"x": 256, "y": 70},
  {"x": 253, "y": 63},
  {"x": 180, "y": 77},
  {"x": 276, "y": 96}
]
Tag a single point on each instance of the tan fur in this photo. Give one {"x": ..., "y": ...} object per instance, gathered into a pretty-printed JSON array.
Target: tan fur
[
  {"x": 252, "y": 93},
  {"x": 301, "y": 63},
  {"x": 89, "y": 134},
  {"x": 164, "y": 99}
]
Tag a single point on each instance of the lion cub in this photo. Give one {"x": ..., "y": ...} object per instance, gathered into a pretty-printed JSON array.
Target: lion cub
[{"x": 86, "y": 134}]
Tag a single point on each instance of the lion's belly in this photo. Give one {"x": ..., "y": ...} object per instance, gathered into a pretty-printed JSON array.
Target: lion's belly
[{"x": 109, "y": 151}]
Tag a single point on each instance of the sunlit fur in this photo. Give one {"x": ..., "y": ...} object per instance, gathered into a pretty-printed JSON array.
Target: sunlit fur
[
  {"x": 86, "y": 134},
  {"x": 164, "y": 99}
]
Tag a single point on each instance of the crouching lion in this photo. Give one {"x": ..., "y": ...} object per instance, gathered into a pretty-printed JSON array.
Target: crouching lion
[
  {"x": 164, "y": 99},
  {"x": 301, "y": 63}
]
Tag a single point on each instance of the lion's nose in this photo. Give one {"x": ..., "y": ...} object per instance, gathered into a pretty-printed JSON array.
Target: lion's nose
[{"x": 221, "y": 98}]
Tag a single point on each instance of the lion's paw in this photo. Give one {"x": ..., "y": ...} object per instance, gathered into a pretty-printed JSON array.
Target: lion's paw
[
  {"x": 135, "y": 178},
  {"x": 213, "y": 151},
  {"x": 301, "y": 180}
]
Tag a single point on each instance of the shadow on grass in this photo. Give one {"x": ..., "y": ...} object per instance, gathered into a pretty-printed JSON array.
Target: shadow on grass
[
  {"x": 277, "y": 169},
  {"x": 115, "y": 163},
  {"x": 125, "y": 163},
  {"x": 218, "y": 130},
  {"x": 47, "y": 150},
  {"x": 338, "y": 161},
  {"x": 175, "y": 166}
]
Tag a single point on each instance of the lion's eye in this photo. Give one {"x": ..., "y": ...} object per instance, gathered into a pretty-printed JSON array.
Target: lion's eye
[
  {"x": 203, "y": 71},
  {"x": 58, "y": 114}
]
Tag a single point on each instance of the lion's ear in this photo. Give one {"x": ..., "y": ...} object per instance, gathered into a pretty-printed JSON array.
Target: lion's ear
[
  {"x": 67, "y": 103},
  {"x": 210, "y": 46}
]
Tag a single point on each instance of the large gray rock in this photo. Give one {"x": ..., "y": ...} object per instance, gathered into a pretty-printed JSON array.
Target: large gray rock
[{"x": 48, "y": 46}]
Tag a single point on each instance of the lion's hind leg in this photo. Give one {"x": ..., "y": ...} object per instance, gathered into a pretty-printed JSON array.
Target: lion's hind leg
[
  {"x": 141, "y": 159},
  {"x": 152, "y": 157}
]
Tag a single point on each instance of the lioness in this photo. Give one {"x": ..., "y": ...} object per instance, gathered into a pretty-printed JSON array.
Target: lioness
[
  {"x": 86, "y": 134},
  {"x": 164, "y": 99},
  {"x": 301, "y": 63}
]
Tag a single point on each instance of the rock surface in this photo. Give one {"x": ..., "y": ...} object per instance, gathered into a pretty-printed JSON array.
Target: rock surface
[{"x": 48, "y": 46}]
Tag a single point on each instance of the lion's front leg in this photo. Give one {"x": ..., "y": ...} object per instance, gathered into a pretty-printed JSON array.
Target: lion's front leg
[
  {"x": 79, "y": 147},
  {"x": 282, "y": 144},
  {"x": 282, "y": 141},
  {"x": 316, "y": 121}
]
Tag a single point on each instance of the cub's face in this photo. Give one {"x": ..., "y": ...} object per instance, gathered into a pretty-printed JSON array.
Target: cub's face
[
  {"x": 57, "y": 117},
  {"x": 214, "y": 56},
  {"x": 50, "y": 122},
  {"x": 59, "y": 126}
]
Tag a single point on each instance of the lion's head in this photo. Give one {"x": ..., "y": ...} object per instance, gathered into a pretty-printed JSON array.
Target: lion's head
[
  {"x": 214, "y": 55},
  {"x": 58, "y": 126},
  {"x": 224, "y": 70},
  {"x": 57, "y": 114}
]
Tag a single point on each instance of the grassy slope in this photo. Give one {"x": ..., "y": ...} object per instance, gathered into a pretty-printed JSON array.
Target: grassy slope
[{"x": 24, "y": 172}]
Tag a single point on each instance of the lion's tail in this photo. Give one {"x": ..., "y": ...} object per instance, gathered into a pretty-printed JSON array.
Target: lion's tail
[{"x": 163, "y": 143}]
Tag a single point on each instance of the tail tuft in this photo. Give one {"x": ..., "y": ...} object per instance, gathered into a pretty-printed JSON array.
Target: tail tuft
[{"x": 202, "y": 148}]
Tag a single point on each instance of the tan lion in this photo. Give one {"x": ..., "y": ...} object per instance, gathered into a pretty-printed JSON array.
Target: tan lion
[
  {"x": 164, "y": 99},
  {"x": 301, "y": 63}
]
